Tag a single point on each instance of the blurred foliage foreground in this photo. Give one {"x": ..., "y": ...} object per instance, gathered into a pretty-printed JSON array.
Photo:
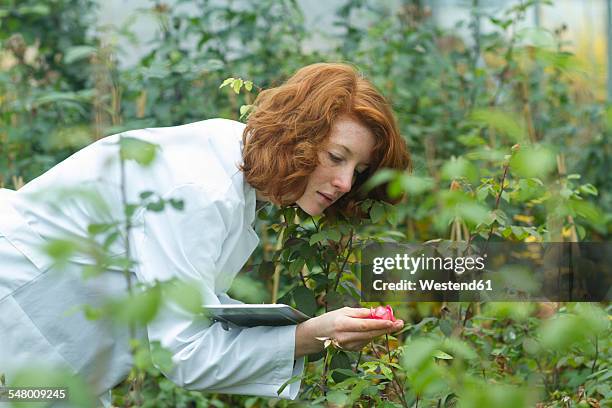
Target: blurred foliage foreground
[{"x": 509, "y": 141}]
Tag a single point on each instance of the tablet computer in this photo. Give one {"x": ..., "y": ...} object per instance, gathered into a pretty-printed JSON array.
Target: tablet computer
[{"x": 250, "y": 315}]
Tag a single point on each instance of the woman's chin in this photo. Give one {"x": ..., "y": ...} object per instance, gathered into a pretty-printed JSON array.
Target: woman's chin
[{"x": 311, "y": 209}]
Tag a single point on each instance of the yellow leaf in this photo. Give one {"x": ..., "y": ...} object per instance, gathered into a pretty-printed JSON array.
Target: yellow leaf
[{"x": 527, "y": 219}]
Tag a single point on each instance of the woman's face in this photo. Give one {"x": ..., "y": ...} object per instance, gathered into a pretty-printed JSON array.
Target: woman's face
[{"x": 347, "y": 153}]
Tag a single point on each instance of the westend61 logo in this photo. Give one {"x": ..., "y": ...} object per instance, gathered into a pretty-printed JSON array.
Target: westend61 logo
[
  {"x": 486, "y": 271},
  {"x": 412, "y": 264}
]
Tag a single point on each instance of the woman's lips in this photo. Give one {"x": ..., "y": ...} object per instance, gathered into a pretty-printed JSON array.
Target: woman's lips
[{"x": 326, "y": 197}]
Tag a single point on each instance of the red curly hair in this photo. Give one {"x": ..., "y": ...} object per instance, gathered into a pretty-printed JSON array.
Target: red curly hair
[{"x": 291, "y": 124}]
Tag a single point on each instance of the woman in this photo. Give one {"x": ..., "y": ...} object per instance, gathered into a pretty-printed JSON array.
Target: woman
[{"x": 310, "y": 142}]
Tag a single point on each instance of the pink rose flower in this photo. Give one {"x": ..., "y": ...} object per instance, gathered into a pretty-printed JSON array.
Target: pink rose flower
[{"x": 382, "y": 313}]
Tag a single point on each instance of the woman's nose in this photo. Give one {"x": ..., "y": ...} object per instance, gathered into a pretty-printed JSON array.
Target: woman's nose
[{"x": 343, "y": 181}]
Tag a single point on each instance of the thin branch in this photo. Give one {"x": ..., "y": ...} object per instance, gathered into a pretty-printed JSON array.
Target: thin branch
[
  {"x": 128, "y": 227},
  {"x": 497, "y": 200},
  {"x": 349, "y": 247},
  {"x": 325, "y": 370},
  {"x": 398, "y": 386},
  {"x": 596, "y": 355},
  {"x": 358, "y": 360}
]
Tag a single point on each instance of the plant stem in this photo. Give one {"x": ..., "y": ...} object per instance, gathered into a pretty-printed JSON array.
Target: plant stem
[
  {"x": 358, "y": 360},
  {"x": 399, "y": 388},
  {"x": 497, "y": 200},
  {"x": 325, "y": 369},
  {"x": 128, "y": 228},
  {"x": 596, "y": 355},
  {"x": 279, "y": 246},
  {"x": 467, "y": 312},
  {"x": 348, "y": 254}
]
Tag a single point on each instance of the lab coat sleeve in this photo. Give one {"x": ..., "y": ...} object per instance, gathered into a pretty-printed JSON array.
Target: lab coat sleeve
[{"x": 185, "y": 245}]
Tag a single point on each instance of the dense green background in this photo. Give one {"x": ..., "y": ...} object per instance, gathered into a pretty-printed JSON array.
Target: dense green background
[{"x": 462, "y": 104}]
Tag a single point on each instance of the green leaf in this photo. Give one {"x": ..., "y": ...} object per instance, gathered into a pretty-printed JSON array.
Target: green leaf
[
  {"x": 418, "y": 354},
  {"x": 519, "y": 232},
  {"x": 472, "y": 212},
  {"x": 502, "y": 122},
  {"x": 316, "y": 237},
  {"x": 95, "y": 229},
  {"x": 60, "y": 249},
  {"x": 333, "y": 235},
  {"x": 78, "y": 52},
  {"x": 138, "y": 308},
  {"x": 156, "y": 206},
  {"x": 92, "y": 313},
  {"x": 251, "y": 290},
  {"x": 337, "y": 398},
  {"x": 236, "y": 85},
  {"x": 248, "y": 85},
  {"x": 296, "y": 266},
  {"x": 459, "y": 349},
  {"x": 130, "y": 209},
  {"x": 446, "y": 327},
  {"x": 416, "y": 184},
  {"x": 334, "y": 300},
  {"x": 458, "y": 168},
  {"x": 40, "y": 9},
  {"x": 377, "y": 212},
  {"x": 442, "y": 355},
  {"x": 226, "y": 82},
  {"x": 471, "y": 140},
  {"x": 160, "y": 356},
  {"x": 587, "y": 211},
  {"x": 146, "y": 194},
  {"x": 533, "y": 162},
  {"x": 290, "y": 381},
  {"x": 184, "y": 294},
  {"x": 178, "y": 205},
  {"x": 608, "y": 117},
  {"x": 305, "y": 300},
  {"x": 137, "y": 150},
  {"x": 340, "y": 360},
  {"x": 588, "y": 189},
  {"x": 266, "y": 268},
  {"x": 499, "y": 216},
  {"x": 110, "y": 239},
  {"x": 380, "y": 177},
  {"x": 244, "y": 110}
]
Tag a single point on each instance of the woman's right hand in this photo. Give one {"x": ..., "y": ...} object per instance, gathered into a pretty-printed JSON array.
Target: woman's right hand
[{"x": 349, "y": 327}]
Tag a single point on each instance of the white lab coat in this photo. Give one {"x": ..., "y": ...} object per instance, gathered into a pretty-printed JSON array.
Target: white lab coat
[{"x": 206, "y": 243}]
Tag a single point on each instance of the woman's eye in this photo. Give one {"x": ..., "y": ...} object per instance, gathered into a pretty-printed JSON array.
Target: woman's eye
[{"x": 334, "y": 158}]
